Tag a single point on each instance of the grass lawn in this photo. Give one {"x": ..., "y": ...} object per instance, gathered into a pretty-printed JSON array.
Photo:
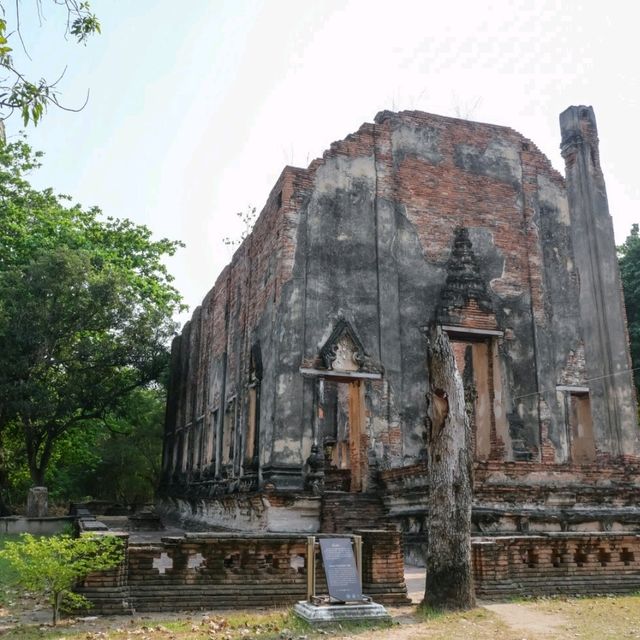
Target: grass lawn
[{"x": 603, "y": 618}]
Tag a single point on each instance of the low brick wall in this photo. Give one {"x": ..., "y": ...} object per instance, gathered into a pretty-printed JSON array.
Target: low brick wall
[
  {"x": 234, "y": 570},
  {"x": 45, "y": 526},
  {"x": 567, "y": 563}
]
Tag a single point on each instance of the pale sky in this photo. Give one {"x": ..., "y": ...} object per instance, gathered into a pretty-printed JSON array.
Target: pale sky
[{"x": 195, "y": 107}]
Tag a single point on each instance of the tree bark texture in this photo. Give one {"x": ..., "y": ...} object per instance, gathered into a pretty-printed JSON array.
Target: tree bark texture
[
  {"x": 57, "y": 602},
  {"x": 4, "y": 481},
  {"x": 449, "y": 583}
]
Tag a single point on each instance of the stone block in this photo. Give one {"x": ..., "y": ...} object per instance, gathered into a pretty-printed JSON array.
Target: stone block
[
  {"x": 319, "y": 615},
  {"x": 38, "y": 502}
]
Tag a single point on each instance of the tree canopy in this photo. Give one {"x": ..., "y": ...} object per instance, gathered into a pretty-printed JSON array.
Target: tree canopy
[
  {"x": 29, "y": 96},
  {"x": 629, "y": 259},
  {"x": 86, "y": 307},
  {"x": 128, "y": 468}
]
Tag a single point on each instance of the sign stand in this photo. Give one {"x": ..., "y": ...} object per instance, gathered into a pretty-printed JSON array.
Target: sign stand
[{"x": 342, "y": 561}]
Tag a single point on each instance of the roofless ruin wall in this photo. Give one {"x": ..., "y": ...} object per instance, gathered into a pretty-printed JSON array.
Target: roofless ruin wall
[{"x": 314, "y": 334}]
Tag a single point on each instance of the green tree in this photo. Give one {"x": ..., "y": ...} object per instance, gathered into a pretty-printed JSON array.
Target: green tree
[
  {"x": 120, "y": 463},
  {"x": 17, "y": 92},
  {"x": 629, "y": 260},
  {"x": 86, "y": 310},
  {"x": 130, "y": 453},
  {"x": 52, "y": 566},
  {"x": 76, "y": 455}
]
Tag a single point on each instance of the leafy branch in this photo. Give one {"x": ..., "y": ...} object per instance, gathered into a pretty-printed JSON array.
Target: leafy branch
[{"x": 32, "y": 97}]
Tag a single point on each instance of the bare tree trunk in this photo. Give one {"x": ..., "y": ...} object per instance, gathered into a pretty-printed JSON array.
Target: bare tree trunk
[
  {"x": 57, "y": 601},
  {"x": 449, "y": 583},
  {"x": 5, "y": 510}
]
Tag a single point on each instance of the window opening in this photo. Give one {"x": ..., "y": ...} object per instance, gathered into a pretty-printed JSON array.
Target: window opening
[
  {"x": 474, "y": 362},
  {"x": 211, "y": 437},
  {"x": 580, "y": 427},
  {"x": 228, "y": 433},
  {"x": 253, "y": 408}
]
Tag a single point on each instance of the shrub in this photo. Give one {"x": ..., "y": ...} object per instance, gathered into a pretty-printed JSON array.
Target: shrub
[{"x": 52, "y": 566}]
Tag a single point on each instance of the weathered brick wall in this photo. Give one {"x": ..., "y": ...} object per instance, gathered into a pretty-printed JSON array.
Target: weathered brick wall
[
  {"x": 108, "y": 591},
  {"x": 218, "y": 573},
  {"x": 276, "y": 512},
  {"x": 523, "y": 498},
  {"x": 230, "y": 571},
  {"x": 383, "y": 566},
  {"x": 365, "y": 235},
  {"x": 606, "y": 483},
  {"x": 227, "y": 571},
  {"x": 345, "y": 512},
  {"x": 210, "y": 360},
  {"x": 556, "y": 564}
]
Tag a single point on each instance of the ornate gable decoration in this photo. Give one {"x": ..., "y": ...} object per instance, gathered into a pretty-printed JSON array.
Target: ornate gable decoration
[
  {"x": 465, "y": 291},
  {"x": 343, "y": 351}
]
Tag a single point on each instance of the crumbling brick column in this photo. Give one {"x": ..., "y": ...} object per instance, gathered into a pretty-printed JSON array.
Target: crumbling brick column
[{"x": 383, "y": 566}]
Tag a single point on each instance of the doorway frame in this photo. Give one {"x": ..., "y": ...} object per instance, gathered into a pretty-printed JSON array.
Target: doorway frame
[{"x": 357, "y": 415}]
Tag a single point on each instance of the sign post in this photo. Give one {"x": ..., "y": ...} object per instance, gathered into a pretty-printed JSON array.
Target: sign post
[
  {"x": 342, "y": 567},
  {"x": 311, "y": 568},
  {"x": 342, "y": 560},
  {"x": 343, "y": 577}
]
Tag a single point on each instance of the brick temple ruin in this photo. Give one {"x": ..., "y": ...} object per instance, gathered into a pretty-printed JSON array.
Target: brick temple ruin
[{"x": 297, "y": 389}]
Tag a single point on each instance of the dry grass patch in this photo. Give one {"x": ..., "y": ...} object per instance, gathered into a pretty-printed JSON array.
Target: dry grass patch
[
  {"x": 477, "y": 624},
  {"x": 602, "y": 618},
  {"x": 566, "y": 618}
]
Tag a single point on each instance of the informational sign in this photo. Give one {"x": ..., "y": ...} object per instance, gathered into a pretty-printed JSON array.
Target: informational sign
[{"x": 343, "y": 579}]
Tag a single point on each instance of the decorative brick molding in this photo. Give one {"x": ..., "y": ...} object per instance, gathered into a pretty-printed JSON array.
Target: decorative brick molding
[
  {"x": 571, "y": 563},
  {"x": 234, "y": 570},
  {"x": 227, "y": 571}
]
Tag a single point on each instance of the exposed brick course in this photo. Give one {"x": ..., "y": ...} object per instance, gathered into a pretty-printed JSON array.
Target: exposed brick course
[
  {"x": 589, "y": 564},
  {"x": 235, "y": 571}
]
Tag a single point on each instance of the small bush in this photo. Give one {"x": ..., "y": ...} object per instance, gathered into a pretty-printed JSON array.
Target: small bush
[{"x": 52, "y": 566}]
